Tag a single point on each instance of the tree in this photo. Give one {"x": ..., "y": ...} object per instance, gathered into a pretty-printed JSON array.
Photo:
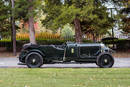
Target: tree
[
  {"x": 100, "y": 24},
  {"x": 4, "y": 19},
  {"x": 126, "y": 25},
  {"x": 123, "y": 18},
  {"x": 27, "y": 10},
  {"x": 31, "y": 24},
  {"x": 83, "y": 14},
  {"x": 126, "y": 18},
  {"x": 7, "y": 13},
  {"x": 69, "y": 11},
  {"x": 13, "y": 38}
]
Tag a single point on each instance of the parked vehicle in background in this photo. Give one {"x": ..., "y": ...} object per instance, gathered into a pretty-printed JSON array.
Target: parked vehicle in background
[{"x": 35, "y": 56}]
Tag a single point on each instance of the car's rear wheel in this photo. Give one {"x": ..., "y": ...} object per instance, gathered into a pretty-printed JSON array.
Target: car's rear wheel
[
  {"x": 34, "y": 60},
  {"x": 105, "y": 61}
]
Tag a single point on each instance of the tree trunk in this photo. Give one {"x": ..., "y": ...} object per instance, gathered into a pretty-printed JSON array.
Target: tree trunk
[
  {"x": 94, "y": 38},
  {"x": 32, "y": 31},
  {"x": 78, "y": 33},
  {"x": 31, "y": 26},
  {"x": 13, "y": 37}
]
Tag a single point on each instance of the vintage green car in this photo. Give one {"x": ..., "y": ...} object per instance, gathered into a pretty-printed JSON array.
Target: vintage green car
[{"x": 35, "y": 56}]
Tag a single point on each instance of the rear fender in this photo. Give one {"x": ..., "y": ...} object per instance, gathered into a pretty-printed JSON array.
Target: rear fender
[{"x": 38, "y": 51}]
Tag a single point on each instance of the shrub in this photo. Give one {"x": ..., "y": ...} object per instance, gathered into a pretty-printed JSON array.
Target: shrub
[
  {"x": 20, "y": 42},
  {"x": 109, "y": 40},
  {"x": 121, "y": 44},
  {"x": 67, "y": 32},
  {"x": 43, "y": 35}
]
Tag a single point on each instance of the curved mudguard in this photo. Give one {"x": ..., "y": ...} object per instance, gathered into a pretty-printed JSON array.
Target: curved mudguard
[
  {"x": 22, "y": 58},
  {"x": 104, "y": 53},
  {"x": 38, "y": 51},
  {"x": 107, "y": 53}
]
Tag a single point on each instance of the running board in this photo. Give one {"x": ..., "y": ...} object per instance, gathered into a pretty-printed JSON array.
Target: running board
[{"x": 21, "y": 63}]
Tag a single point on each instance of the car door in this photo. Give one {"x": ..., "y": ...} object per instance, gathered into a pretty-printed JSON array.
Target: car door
[{"x": 72, "y": 51}]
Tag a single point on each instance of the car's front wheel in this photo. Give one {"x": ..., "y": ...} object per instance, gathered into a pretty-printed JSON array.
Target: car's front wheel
[
  {"x": 34, "y": 60},
  {"x": 105, "y": 61}
]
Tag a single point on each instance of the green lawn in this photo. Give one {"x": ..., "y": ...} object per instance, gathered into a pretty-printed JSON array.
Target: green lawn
[{"x": 52, "y": 77}]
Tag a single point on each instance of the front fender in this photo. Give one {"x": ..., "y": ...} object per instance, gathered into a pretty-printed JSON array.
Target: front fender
[{"x": 104, "y": 53}]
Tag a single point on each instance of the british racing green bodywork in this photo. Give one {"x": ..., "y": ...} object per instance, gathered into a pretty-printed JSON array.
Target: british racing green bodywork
[{"x": 67, "y": 52}]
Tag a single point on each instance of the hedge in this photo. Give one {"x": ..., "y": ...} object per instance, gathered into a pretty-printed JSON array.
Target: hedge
[
  {"x": 115, "y": 41},
  {"x": 20, "y": 42},
  {"x": 121, "y": 44}
]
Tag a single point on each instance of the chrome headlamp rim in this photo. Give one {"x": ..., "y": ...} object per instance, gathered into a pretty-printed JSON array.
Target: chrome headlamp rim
[{"x": 102, "y": 45}]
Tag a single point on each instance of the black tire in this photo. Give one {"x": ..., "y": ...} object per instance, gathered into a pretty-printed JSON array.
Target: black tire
[
  {"x": 105, "y": 61},
  {"x": 34, "y": 60}
]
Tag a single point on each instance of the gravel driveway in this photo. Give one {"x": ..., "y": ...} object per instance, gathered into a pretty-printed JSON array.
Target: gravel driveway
[{"x": 12, "y": 63}]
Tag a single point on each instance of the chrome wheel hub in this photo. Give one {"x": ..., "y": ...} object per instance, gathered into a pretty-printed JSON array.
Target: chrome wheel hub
[
  {"x": 105, "y": 60},
  {"x": 34, "y": 60}
]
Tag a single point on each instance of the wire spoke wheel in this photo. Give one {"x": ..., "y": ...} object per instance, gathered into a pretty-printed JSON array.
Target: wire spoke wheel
[
  {"x": 105, "y": 61},
  {"x": 34, "y": 60}
]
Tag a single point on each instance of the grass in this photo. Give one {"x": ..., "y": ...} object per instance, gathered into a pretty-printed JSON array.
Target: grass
[{"x": 68, "y": 77}]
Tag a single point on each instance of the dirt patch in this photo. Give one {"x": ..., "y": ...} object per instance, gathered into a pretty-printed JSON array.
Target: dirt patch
[
  {"x": 122, "y": 54},
  {"x": 2, "y": 49},
  {"x": 7, "y": 54}
]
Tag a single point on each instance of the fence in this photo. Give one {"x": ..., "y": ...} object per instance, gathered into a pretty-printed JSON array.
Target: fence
[{"x": 123, "y": 36}]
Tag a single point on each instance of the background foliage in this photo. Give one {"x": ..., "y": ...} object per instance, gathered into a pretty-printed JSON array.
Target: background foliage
[{"x": 5, "y": 26}]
